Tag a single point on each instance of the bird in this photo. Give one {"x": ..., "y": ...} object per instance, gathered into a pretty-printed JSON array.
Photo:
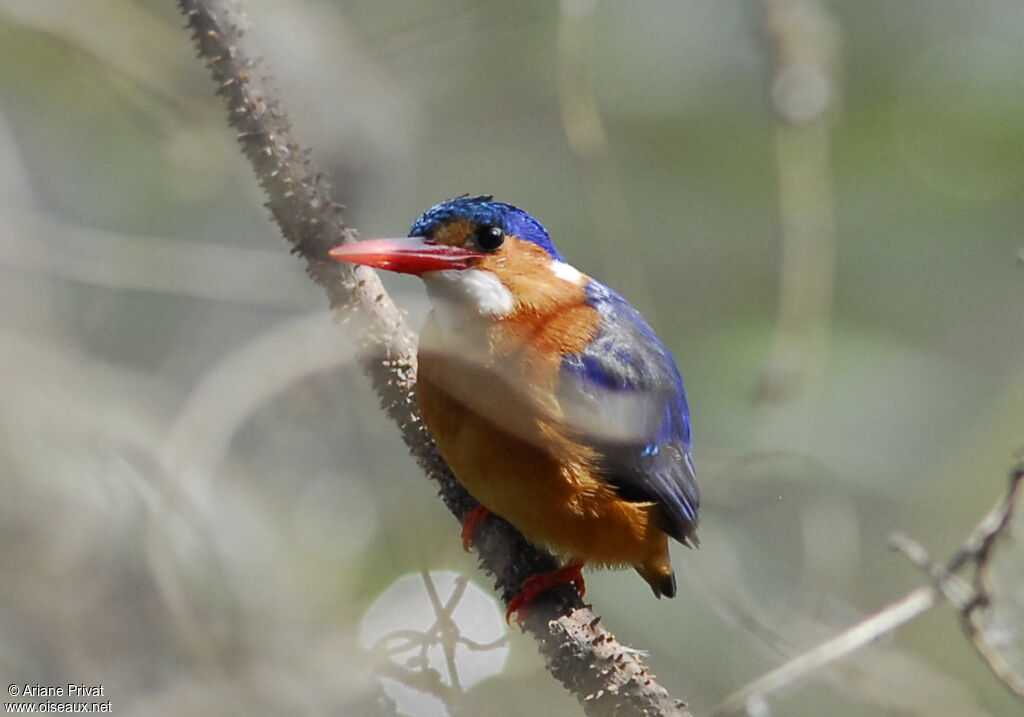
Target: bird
[{"x": 551, "y": 398}]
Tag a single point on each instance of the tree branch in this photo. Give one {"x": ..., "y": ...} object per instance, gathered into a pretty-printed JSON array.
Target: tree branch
[
  {"x": 975, "y": 614},
  {"x": 606, "y": 677},
  {"x": 946, "y": 584}
]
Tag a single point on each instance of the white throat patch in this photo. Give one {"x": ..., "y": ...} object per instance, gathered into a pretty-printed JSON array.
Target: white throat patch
[{"x": 461, "y": 296}]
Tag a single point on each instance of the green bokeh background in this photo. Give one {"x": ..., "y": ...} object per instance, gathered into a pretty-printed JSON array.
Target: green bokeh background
[{"x": 149, "y": 303}]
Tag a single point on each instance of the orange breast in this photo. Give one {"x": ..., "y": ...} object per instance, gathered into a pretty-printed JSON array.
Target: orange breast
[{"x": 496, "y": 423}]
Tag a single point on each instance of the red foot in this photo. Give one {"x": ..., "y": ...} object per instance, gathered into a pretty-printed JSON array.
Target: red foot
[
  {"x": 534, "y": 586},
  {"x": 476, "y": 516}
]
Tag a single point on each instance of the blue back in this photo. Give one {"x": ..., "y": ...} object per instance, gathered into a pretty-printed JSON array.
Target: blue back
[{"x": 626, "y": 364}]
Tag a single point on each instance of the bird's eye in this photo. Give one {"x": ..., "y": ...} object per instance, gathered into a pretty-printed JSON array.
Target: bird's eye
[{"x": 489, "y": 237}]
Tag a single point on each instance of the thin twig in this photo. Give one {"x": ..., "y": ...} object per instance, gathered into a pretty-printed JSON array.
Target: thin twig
[
  {"x": 974, "y": 615},
  {"x": 953, "y": 588},
  {"x": 946, "y": 585},
  {"x": 445, "y": 627},
  {"x": 879, "y": 624},
  {"x": 604, "y": 675}
]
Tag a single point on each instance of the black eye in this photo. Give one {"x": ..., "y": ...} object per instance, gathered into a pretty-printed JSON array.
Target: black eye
[{"x": 489, "y": 237}]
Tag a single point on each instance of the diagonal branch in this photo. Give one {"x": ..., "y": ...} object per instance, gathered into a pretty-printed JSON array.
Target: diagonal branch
[{"x": 606, "y": 677}]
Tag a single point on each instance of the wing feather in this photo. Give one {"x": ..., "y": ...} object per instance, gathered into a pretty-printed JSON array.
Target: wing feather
[{"x": 624, "y": 395}]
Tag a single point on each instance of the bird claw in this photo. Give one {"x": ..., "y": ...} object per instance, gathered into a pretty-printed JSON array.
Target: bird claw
[
  {"x": 537, "y": 584},
  {"x": 473, "y": 520}
]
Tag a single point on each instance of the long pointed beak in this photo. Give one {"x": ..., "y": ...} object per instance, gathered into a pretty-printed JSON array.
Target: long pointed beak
[{"x": 409, "y": 255}]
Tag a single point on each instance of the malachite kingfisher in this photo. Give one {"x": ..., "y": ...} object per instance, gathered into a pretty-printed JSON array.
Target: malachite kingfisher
[{"x": 551, "y": 398}]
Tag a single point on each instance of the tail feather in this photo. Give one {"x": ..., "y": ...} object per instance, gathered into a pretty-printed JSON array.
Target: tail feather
[
  {"x": 660, "y": 576},
  {"x": 666, "y": 586}
]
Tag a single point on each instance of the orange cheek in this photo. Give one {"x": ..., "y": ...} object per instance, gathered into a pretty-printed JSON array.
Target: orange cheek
[
  {"x": 551, "y": 319},
  {"x": 525, "y": 269}
]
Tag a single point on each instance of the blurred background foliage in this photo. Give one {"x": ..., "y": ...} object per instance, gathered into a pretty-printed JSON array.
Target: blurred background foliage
[{"x": 201, "y": 500}]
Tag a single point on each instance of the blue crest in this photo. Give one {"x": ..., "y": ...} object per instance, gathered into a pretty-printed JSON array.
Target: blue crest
[{"x": 484, "y": 210}]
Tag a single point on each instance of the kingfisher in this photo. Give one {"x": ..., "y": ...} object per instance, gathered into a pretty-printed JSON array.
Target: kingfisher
[{"x": 550, "y": 397}]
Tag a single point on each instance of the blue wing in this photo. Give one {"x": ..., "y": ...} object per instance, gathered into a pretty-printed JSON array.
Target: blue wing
[{"x": 625, "y": 396}]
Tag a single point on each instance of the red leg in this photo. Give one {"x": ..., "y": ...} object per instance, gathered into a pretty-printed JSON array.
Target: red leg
[
  {"x": 534, "y": 586},
  {"x": 476, "y": 516}
]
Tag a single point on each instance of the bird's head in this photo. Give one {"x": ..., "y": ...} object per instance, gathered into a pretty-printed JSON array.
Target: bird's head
[{"x": 478, "y": 256}]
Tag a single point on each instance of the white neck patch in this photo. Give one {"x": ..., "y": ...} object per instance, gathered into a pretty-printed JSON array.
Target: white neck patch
[
  {"x": 566, "y": 272},
  {"x": 462, "y": 296}
]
